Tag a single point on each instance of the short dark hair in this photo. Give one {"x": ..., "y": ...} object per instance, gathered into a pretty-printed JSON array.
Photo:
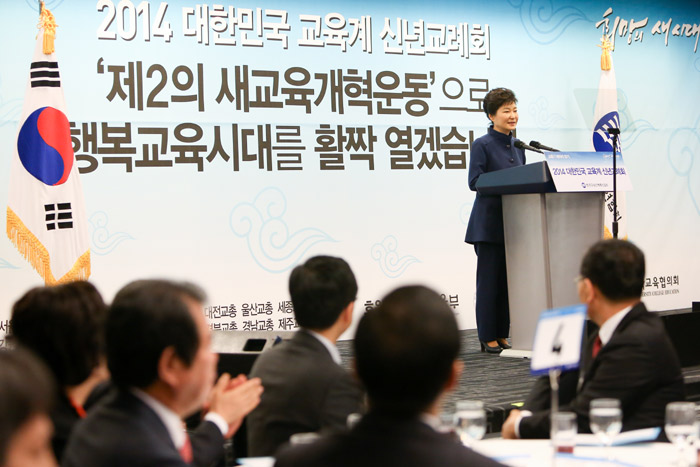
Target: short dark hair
[
  {"x": 320, "y": 289},
  {"x": 26, "y": 389},
  {"x": 145, "y": 318},
  {"x": 616, "y": 267},
  {"x": 405, "y": 349},
  {"x": 496, "y": 98},
  {"x": 63, "y": 325}
]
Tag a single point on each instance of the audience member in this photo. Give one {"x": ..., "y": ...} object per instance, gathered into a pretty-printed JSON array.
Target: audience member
[
  {"x": 306, "y": 389},
  {"x": 26, "y": 395},
  {"x": 157, "y": 344},
  {"x": 63, "y": 326},
  {"x": 629, "y": 358},
  {"x": 406, "y": 355}
]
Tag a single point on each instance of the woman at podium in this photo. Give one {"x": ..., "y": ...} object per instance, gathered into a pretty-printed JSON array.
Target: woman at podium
[{"x": 493, "y": 151}]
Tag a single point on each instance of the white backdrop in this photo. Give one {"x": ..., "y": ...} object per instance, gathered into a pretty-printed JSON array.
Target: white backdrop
[{"x": 215, "y": 156}]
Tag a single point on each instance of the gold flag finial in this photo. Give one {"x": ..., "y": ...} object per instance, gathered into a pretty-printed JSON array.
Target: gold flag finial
[
  {"x": 48, "y": 23},
  {"x": 605, "y": 57}
]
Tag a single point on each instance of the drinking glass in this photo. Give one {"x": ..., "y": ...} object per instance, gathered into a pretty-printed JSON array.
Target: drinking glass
[
  {"x": 352, "y": 420},
  {"x": 606, "y": 420},
  {"x": 470, "y": 421},
  {"x": 303, "y": 438},
  {"x": 681, "y": 428},
  {"x": 563, "y": 433}
]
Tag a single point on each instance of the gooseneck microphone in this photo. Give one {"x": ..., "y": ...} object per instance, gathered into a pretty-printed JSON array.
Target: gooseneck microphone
[
  {"x": 538, "y": 145},
  {"x": 614, "y": 133},
  {"x": 520, "y": 145}
]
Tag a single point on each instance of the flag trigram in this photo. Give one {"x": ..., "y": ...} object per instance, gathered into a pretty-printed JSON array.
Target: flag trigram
[
  {"x": 45, "y": 75},
  {"x": 60, "y": 212}
]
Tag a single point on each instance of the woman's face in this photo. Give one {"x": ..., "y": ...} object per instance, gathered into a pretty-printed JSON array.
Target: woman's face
[
  {"x": 31, "y": 444},
  {"x": 506, "y": 118}
]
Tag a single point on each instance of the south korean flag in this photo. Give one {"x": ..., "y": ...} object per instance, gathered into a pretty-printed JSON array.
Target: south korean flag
[{"x": 46, "y": 210}]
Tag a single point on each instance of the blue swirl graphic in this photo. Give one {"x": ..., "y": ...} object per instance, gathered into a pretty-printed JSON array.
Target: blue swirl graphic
[
  {"x": 103, "y": 242},
  {"x": 544, "y": 23},
  {"x": 697, "y": 64},
  {"x": 391, "y": 264},
  {"x": 4, "y": 264},
  {"x": 10, "y": 111},
  {"x": 683, "y": 149},
  {"x": 634, "y": 130},
  {"x": 543, "y": 119},
  {"x": 263, "y": 226}
]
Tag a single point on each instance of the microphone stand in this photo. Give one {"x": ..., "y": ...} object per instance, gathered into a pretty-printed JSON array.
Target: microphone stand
[{"x": 614, "y": 133}]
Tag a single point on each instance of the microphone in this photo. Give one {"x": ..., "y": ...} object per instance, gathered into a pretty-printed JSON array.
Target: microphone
[
  {"x": 520, "y": 145},
  {"x": 538, "y": 145}
]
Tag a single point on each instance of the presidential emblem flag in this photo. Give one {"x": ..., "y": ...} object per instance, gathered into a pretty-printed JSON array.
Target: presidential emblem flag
[
  {"x": 46, "y": 210},
  {"x": 605, "y": 116}
]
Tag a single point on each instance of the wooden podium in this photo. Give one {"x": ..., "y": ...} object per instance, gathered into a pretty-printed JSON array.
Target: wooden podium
[{"x": 546, "y": 235}]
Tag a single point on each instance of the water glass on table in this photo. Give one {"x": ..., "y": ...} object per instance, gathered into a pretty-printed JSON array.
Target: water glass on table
[
  {"x": 303, "y": 438},
  {"x": 563, "y": 432},
  {"x": 606, "y": 420},
  {"x": 681, "y": 428},
  {"x": 470, "y": 421}
]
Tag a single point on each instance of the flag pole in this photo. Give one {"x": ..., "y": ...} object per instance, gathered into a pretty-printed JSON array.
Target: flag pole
[{"x": 606, "y": 65}]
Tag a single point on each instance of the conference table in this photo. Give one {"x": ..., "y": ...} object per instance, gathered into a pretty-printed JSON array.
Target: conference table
[{"x": 539, "y": 453}]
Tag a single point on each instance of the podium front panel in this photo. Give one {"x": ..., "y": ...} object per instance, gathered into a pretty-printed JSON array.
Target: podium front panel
[
  {"x": 527, "y": 263},
  {"x": 546, "y": 236},
  {"x": 574, "y": 223}
]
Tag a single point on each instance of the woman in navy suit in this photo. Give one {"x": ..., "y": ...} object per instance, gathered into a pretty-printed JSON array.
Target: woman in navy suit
[{"x": 493, "y": 151}]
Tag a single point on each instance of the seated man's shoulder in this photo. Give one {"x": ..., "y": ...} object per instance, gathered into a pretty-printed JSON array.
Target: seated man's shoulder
[
  {"x": 343, "y": 450},
  {"x": 647, "y": 331},
  {"x": 117, "y": 428},
  {"x": 301, "y": 353},
  {"x": 326, "y": 451}
]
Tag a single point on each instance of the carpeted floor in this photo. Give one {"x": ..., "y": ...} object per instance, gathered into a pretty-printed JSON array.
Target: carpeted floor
[{"x": 497, "y": 381}]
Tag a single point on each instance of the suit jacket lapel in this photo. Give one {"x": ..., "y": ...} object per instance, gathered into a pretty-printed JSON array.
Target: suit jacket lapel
[
  {"x": 129, "y": 403},
  {"x": 590, "y": 363}
]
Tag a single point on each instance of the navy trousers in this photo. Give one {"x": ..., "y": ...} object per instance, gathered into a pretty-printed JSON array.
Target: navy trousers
[{"x": 492, "y": 312}]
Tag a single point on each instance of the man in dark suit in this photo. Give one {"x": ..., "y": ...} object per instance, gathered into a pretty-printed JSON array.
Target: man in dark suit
[
  {"x": 629, "y": 358},
  {"x": 406, "y": 355},
  {"x": 157, "y": 344},
  {"x": 306, "y": 389}
]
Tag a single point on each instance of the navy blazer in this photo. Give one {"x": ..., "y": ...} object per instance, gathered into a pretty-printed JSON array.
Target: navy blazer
[
  {"x": 124, "y": 431},
  {"x": 491, "y": 152},
  {"x": 638, "y": 366}
]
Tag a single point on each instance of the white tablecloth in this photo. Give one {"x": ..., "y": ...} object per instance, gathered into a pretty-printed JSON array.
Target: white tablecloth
[{"x": 538, "y": 453}]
